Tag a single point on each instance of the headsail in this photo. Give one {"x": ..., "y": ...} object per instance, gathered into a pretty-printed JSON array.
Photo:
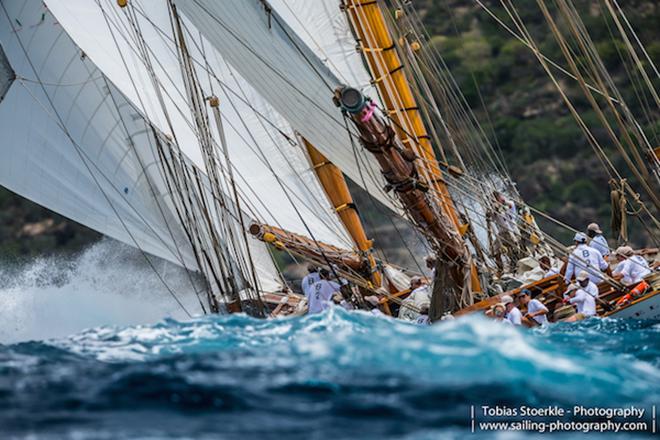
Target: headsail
[
  {"x": 267, "y": 52},
  {"x": 74, "y": 144}
]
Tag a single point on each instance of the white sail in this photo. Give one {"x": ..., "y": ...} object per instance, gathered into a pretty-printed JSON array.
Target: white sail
[
  {"x": 72, "y": 143},
  {"x": 323, "y": 26},
  {"x": 273, "y": 175},
  {"x": 284, "y": 70}
]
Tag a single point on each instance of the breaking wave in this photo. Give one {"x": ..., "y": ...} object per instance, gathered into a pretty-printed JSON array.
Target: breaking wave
[
  {"x": 107, "y": 284},
  {"x": 334, "y": 375}
]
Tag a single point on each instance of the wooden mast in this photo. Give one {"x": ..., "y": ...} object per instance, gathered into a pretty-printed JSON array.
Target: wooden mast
[
  {"x": 334, "y": 184},
  {"x": 390, "y": 79}
]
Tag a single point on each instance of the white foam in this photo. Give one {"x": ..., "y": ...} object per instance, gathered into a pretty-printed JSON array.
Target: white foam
[{"x": 107, "y": 284}]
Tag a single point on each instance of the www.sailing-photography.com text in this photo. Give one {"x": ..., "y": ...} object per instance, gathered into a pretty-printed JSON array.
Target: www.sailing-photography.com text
[{"x": 577, "y": 418}]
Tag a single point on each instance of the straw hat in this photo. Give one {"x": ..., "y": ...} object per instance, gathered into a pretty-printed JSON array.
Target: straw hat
[
  {"x": 594, "y": 227},
  {"x": 624, "y": 251}
]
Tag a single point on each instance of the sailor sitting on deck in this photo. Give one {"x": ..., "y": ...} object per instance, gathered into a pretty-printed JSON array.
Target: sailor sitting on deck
[
  {"x": 498, "y": 312},
  {"x": 586, "y": 304},
  {"x": 420, "y": 296},
  {"x": 585, "y": 257},
  {"x": 310, "y": 279},
  {"x": 598, "y": 241},
  {"x": 586, "y": 284},
  {"x": 632, "y": 268},
  {"x": 546, "y": 265},
  {"x": 321, "y": 293},
  {"x": 535, "y": 308},
  {"x": 513, "y": 314}
]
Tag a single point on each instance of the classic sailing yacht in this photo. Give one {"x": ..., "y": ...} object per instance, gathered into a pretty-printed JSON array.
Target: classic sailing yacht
[{"x": 210, "y": 132}]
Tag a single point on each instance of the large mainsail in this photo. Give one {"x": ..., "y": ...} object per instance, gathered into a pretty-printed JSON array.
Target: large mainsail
[{"x": 271, "y": 170}]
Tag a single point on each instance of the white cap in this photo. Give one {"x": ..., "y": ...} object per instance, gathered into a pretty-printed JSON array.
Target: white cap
[
  {"x": 506, "y": 299},
  {"x": 572, "y": 287},
  {"x": 583, "y": 275},
  {"x": 594, "y": 227},
  {"x": 580, "y": 237}
]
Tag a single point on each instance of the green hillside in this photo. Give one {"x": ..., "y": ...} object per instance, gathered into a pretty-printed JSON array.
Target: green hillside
[{"x": 548, "y": 156}]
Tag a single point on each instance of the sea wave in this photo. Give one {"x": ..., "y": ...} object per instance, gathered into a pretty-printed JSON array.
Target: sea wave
[{"x": 337, "y": 374}]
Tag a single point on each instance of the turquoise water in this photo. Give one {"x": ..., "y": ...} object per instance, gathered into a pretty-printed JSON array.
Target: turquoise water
[{"x": 335, "y": 375}]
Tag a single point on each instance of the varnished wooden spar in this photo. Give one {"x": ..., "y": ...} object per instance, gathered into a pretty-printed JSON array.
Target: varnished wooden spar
[
  {"x": 346, "y": 260},
  {"x": 389, "y": 76},
  {"x": 336, "y": 189},
  {"x": 379, "y": 50},
  {"x": 397, "y": 164}
]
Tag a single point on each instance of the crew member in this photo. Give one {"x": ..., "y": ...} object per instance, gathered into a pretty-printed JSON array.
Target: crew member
[
  {"x": 632, "y": 268},
  {"x": 321, "y": 293},
  {"x": 546, "y": 265},
  {"x": 584, "y": 257},
  {"x": 513, "y": 314},
  {"x": 310, "y": 279},
  {"x": 508, "y": 215},
  {"x": 535, "y": 308},
  {"x": 598, "y": 241},
  {"x": 586, "y": 304},
  {"x": 586, "y": 284},
  {"x": 498, "y": 312},
  {"x": 506, "y": 243}
]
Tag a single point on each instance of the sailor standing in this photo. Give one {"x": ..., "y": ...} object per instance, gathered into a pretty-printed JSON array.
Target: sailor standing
[
  {"x": 320, "y": 297},
  {"x": 598, "y": 241},
  {"x": 586, "y": 258},
  {"x": 310, "y": 279}
]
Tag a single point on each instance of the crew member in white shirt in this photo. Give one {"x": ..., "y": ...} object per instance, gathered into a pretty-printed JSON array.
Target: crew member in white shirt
[
  {"x": 535, "y": 308},
  {"x": 320, "y": 297},
  {"x": 310, "y": 279},
  {"x": 586, "y": 258},
  {"x": 421, "y": 294},
  {"x": 632, "y": 268},
  {"x": 546, "y": 265},
  {"x": 513, "y": 314},
  {"x": 586, "y": 284},
  {"x": 598, "y": 241},
  {"x": 585, "y": 303}
]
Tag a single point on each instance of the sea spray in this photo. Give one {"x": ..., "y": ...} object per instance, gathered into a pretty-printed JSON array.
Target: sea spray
[{"x": 108, "y": 283}]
